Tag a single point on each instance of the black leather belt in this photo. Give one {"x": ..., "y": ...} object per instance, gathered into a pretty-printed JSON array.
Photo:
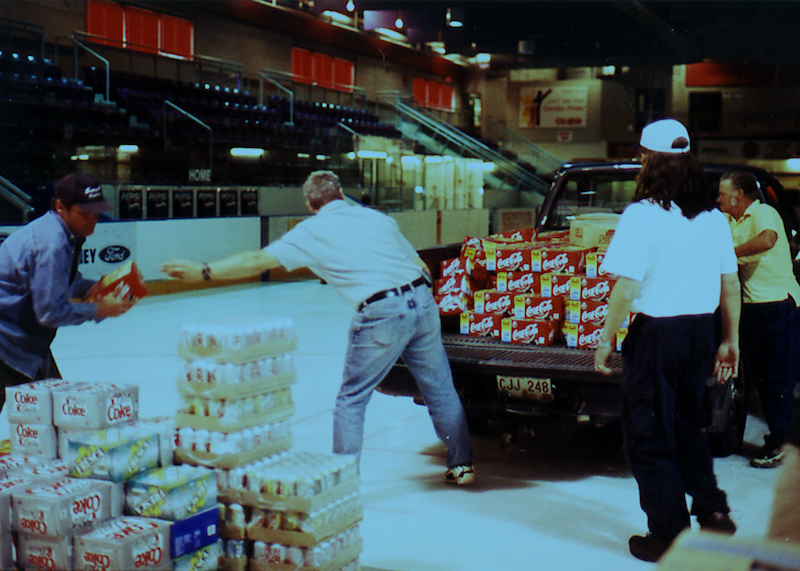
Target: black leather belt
[{"x": 395, "y": 291}]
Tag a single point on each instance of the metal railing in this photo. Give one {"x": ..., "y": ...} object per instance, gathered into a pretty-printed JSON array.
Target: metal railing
[
  {"x": 17, "y": 198},
  {"x": 539, "y": 158},
  {"x": 196, "y": 120},
  {"x": 465, "y": 145}
]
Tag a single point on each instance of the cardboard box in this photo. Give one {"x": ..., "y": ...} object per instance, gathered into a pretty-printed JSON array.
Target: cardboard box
[
  {"x": 564, "y": 259},
  {"x": 594, "y": 262},
  {"x": 455, "y": 267},
  {"x": 7, "y": 559},
  {"x": 64, "y": 507},
  {"x": 556, "y": 285},
  {"x": 113, "y": 454},
  {"x": 36, "y": 440},
  {"x": 453, "y": 303},
  {"x": 43, "y": 553},
  {"x": 480, "y": 324},
  {"x": 32, "y": 403},
  {"x": 519, "y": 282},
  {"x": 205, "y": 559},
  {"x": 592, "y": 230},
  {"x": 194, "y": 533},
  {"x": 509, "y": 259},
  {"x": 124, "y": 283},
  {"x": 453, "y": 284},
  {"x": 582, "y": 335},
  {"x": 125, "y": 542},
  {"x": 530, "y": 331},
  {"x": 585, "y": 288},
  {"x": 10, "y": 464},
  {"x": 493, "y": 301},
  {"x": 8, "y": 484},
  {"x": 589, "y": 311},
  {"x": 95, "y": 405},
  {"x": 173, "y": 493},
  {"x": 528, "y": 306}
]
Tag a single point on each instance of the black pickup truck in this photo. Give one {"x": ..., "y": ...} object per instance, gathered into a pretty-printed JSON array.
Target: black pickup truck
[{"x": 518, "y": 385}]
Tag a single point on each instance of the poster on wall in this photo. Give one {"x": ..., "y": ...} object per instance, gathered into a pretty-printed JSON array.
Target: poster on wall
[{"x": 559, "y": 107}]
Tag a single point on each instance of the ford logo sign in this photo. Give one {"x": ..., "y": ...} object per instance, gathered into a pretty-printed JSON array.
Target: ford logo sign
[{"x": 114, "y": 254}]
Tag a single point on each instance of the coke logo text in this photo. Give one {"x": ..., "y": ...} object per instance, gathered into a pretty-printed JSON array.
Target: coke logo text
[
  {"x": 87, "y": 505},
  {"x": 590, "y": 339},
  {"x": 27, "y": 432},
  {"x": 119, "y": 410},
  {"x": 148, "y": 558},
  {"x": 558, "y": 263},
  {"x": 597, "y": 315},
  {"x": 524, "y": 283},
  {"x": 526, "y": 334},
  {"x": 483, "y": 326},
  {"x": 71, "y": 408},
  {"x": 599, "y": 291},
  {"x": 34, "y": 525},
  {"x": 513, "y": 261},
  {"x": 500, "y": 305},
  {"x": 42, "y": 561},
  {"x": 97, "y": 560},
  {"x": 25, "y": 398},
  {"x": 541, "y": 309}
]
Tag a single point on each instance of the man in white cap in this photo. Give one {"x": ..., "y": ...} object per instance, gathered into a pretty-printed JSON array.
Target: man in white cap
[
  {"x": 39, "y": 278},
  {"x": 673, "y": 253}
]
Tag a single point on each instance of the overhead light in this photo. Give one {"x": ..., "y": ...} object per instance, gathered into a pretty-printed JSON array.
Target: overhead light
[
  {"x": 480, "y": 166},
  {"x": 410, "y": 160},
  {"x": 372, "y": 154},
  {"x": 793, "y": 164},
  {"x": 455, "y": 17},
  {"x": 393, "y": 34},
  {"x": 398, "y": 23},
  {"x": 246, "y": 152},
  {"x": 351, "y": 6},
  {"x": 434, "y": 159},
  {"x": 128, "y": 148},
  {"x": 419, "y": 190},
  {"x": 483, "y": 60},
  {"x": 437, "y": 47}
]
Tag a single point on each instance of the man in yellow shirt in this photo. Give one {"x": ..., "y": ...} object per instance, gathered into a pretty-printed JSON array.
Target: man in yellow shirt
[{"x": 769, "y": 327}]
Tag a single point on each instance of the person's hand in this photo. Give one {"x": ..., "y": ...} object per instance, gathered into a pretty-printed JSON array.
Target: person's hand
[
  {"x": 110, "y": 306},
  {"x": 727, "y": 363},
  {"x": 183, "y": 270},
  {"x": 601, "y": 355}
]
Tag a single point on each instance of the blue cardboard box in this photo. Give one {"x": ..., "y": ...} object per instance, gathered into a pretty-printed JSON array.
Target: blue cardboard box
[{"x": 194, "y": 533}]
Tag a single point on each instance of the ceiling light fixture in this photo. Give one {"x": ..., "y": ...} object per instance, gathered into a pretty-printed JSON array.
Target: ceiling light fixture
[
  {"x": 398, "y": 23},
  {"x": 455, "y": 17},
  {"x": 351, "y": 6}
]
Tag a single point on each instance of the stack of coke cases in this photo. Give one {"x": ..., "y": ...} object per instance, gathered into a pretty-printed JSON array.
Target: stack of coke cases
[{"x": 524, "y": 287}]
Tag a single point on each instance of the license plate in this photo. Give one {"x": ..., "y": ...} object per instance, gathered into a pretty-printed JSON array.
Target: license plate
[{"x": 526, "y": 387}]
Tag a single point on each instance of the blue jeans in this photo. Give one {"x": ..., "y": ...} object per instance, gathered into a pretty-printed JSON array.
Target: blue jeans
[
  {"x": 770, "y": 351},
  {"x": 380, "y": 333},
  {"x": 666, "y": 362}
]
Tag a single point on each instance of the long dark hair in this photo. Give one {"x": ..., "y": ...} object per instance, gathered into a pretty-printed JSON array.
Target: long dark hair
[{"x": 677, "y": 178}]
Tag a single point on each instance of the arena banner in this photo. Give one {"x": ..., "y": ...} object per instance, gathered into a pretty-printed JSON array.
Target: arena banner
[{"x": 557, "y": 107}]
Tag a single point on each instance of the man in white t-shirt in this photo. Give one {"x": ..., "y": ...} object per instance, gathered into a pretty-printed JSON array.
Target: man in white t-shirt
[
  {"x": 673, "y": 254},
  {"x": 362, "y": 254}
]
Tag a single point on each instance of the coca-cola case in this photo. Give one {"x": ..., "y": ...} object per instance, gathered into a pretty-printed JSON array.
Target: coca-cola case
[
  {"x": 40, "y": 553},
  {"x": 530, "y": 331},
  {"x": 64, "y": 507},
  {"x": 509, "y": 259},
  {"x": 583, "y": 335},
  {"x": 32, "y": 402},
  {"x": 585, "y": 288},
  {"x": 519, "y": 282},
  {"x": 126, "y": 542},
  {"x": 493, "y": 301},
  {"x": 529, "y": 306},
  {"x": 594, "y": 263},
  {"x": 587, "y": 311},
  {"x": 453, "y": 284},
  {"x": 556, "y": 285},
  {"x": 36, "y": 440},
  {"x": 124, "y": 283},
  {"x": 452, "y": 303},
  {"x": 567, "y": 260},
  {"x": 455, "y": 266},
  {"x": 95, "y": 405},
  {"x": 481, "y": 324}
]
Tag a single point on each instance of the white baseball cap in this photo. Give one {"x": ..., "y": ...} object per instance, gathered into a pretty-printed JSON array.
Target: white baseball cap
[{"x": 665, "y": 136}]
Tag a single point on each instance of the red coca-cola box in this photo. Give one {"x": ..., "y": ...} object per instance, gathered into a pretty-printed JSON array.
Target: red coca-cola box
[
  {"x": 452, "y": 303},
  {"x": 508, "y": 259},
  {"x": 493, "y": 301},
  {"x": 584, "y": 288},
  {"x": 453, "y": 284},
  {"x": 481, "y": 324},
  {"x": 455, "y": 266},
  {"x": 125, "y": 282},
  {"x": 583, "y": 335},
  {"x": 529, "y": 306},
  {"x": 587, "y": 311},
  {"x": 594, "y": 261},
  {"x": 521, "y": 235},
  {"x": 519, "y": 282},
  {"x": 559, "y": 260},
  {"x": 530, "y": 331},
  {"x": 556, "y": 285}
]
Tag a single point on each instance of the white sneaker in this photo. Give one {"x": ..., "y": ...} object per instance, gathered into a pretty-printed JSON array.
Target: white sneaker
[{"x": 460, "y": 475}]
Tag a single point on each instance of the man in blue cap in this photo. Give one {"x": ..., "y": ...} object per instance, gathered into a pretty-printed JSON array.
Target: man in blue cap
[{"x": 39, "y": 279}]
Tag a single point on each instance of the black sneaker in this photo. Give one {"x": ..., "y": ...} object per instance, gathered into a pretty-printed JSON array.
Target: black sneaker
[
  {"x": 719, "y": 521},
  {"x": 649, "y": 547},
  {"x": 768, "y": 457}
]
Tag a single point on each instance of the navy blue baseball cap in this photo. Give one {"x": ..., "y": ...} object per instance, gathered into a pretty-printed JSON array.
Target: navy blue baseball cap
[{"x": 83, "y": 190}]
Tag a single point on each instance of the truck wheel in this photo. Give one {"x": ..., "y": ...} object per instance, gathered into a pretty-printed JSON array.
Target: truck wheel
[{"x": 729, "y": 417}]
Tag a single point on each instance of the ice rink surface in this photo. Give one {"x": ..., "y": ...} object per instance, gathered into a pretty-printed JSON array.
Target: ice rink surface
[{"x": 560, "y": 500}]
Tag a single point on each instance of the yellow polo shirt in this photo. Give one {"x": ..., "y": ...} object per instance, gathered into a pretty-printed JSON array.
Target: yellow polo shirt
[{"x": 768, "y": 276}]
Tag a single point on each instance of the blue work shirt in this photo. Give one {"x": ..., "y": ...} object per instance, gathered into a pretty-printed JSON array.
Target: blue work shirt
[{"x": 35, "y": 293}]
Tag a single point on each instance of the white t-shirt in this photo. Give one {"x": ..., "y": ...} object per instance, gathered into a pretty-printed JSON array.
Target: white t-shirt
[
  {"x": 357, "y": 250},
  {"x": 678, "y": 261}
]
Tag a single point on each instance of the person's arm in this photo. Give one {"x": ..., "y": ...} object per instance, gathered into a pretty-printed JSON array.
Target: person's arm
[
  {"x": 242, "y": 265},
  {"x": 619, "y": 307},
  {"x": 761, "y": 243},
  {"x": 727, "y": 362}
]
